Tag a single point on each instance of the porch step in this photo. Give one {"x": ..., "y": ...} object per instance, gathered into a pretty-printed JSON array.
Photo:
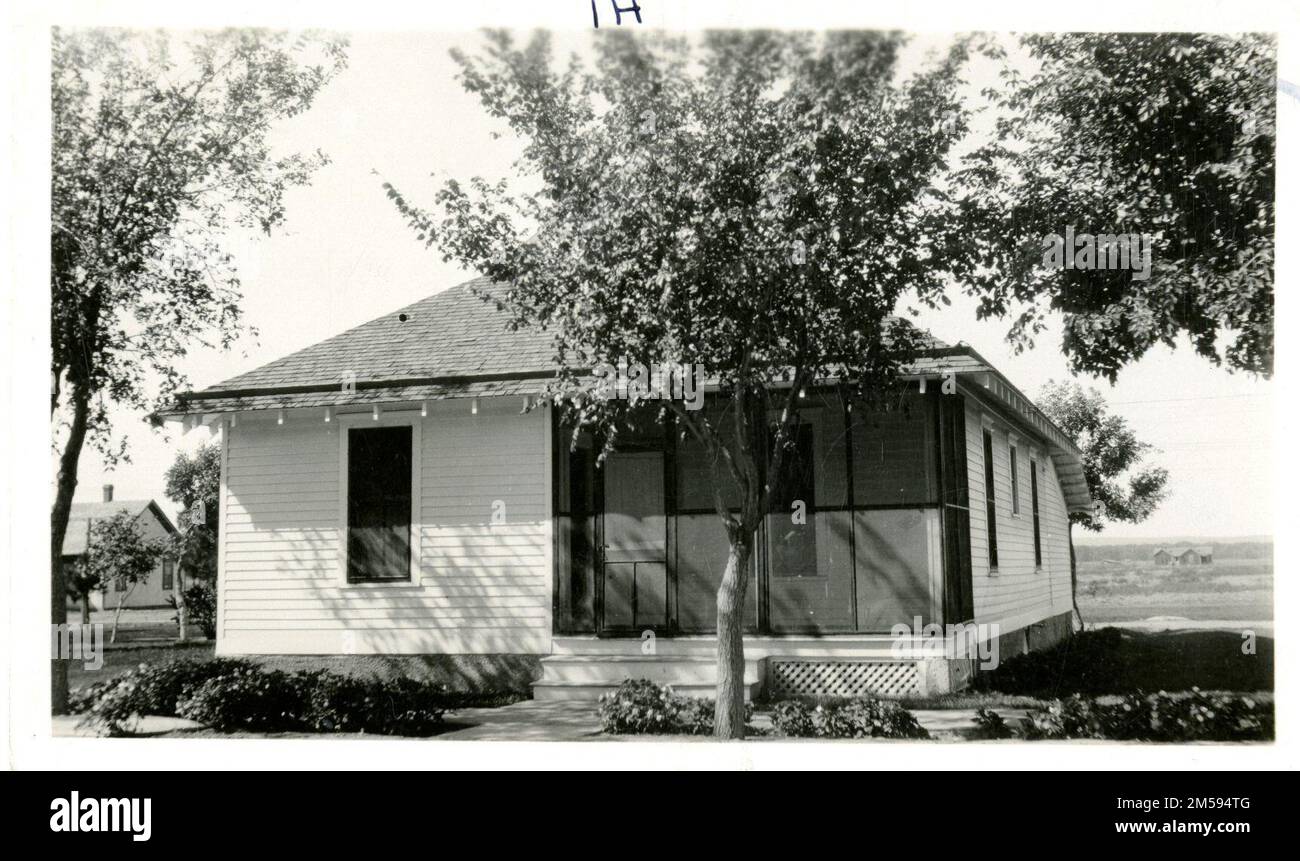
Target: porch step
[
  {"x": 613, "y": 669},
  {"x": 551, "y": 691},
  {"x": 586, "y": 677},
  {"x": 879, "y": 646}
]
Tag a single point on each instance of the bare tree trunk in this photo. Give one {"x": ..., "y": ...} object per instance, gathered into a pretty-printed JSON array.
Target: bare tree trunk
[
  {"x": 729, "y": 711},
  {"x": 65, "y": 487},
  {"x": 121, "y": 600},
  {"x": 85, "y": 607},
  {"x": 179, "y": 595}
]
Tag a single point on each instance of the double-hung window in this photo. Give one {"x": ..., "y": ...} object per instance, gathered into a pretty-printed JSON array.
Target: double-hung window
[
  {"x": 990, "y": 507},
  {"x": 380, "y": 471},
  {"x": 1015, "y": 480},
  {"x": 1033, "y": 503}
]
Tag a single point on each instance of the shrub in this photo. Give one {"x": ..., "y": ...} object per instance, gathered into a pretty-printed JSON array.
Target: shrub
[
  {"x": 863, "y": 717},
  {"x": 1191, "y": 716},
  {"x": 200, "y": 608},
  {"x": 251, "y": 699},
  {"x": 231, "y": 694},
  {"x": 1118, "y": 661},
  {"x": 149, "y": 689},
  {"x": 793, "y": 718},
  {"x": 640, "y": 707},
  {"x": 399, "y": 706},
  {"x": 867, "y": 718},
  {"x": 990, "y": 725},
  {"x": 1089, "y": 662}
]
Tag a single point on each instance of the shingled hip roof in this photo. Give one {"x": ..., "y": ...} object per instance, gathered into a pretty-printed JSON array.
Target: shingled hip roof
[
  {"x": 452, "y": 344},
  {"x": 457, "y": 344}
]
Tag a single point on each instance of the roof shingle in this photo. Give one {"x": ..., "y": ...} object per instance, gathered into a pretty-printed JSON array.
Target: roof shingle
[{"x": 450, "y": 334}]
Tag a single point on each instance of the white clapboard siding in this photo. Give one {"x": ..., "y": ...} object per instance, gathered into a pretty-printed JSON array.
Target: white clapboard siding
[
  {"x": 482, "y": 540},
  {"x": 1017, "y": 593}
]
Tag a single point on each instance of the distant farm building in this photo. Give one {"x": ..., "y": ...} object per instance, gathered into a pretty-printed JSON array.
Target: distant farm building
[{"x": 1199, "y": 555}]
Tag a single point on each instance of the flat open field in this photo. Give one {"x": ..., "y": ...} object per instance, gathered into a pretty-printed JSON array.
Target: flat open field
[{"x": 1227, "y": 590}]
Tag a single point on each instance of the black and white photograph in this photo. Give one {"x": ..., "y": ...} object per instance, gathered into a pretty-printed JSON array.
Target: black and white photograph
[{"x": 658, "y": 386}]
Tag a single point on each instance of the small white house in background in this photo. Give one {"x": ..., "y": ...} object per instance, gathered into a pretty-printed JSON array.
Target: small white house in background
[
  {"x": 395, "y": 490},
  {"x": 153, "y": 522}
]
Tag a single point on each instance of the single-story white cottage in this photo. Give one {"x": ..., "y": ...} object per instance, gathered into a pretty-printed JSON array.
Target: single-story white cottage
[
  {"x": 396, "y": 490},
  {"x": 155, "y": 589}
]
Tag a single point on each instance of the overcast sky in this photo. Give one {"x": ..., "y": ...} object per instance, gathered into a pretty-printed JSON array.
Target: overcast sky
[{"x": 345, "y": 257}]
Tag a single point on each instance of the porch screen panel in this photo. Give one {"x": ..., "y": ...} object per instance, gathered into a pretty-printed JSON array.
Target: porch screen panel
[
  {"x": 697, "y": 474},
  {"x": 575, "y": 524},
  {"x": 893, "y": 455},
  {"x": 379, "y": 504},
  {"x": 701, "y": 559},
  {"x": 701, "y": 547},
  {"x": 809, "y": 534},
  {"x": 894, "y": 552}
]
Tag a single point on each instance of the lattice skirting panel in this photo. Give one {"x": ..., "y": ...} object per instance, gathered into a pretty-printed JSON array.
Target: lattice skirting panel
[{"x": 842, "y": 678}]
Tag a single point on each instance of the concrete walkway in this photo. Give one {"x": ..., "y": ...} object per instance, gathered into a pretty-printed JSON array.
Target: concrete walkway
[
  {"x": 69, "y": 726},
  {"x": 531, "y": 720}
]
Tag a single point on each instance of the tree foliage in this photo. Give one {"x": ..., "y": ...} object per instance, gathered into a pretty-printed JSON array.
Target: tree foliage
[
  {"x": 754, "y": 203},
  {"x": 159, "y": 145},
  {"x": 1114, "y": 459},
  {"x": 1169, "y": 135},
  {"x": 158, "y": 149},
  {"x": 120, "y": 553},
  {"x": 194, "y": 478}
]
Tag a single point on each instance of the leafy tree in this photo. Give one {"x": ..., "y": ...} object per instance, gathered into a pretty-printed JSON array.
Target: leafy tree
[
  {"x": 1171, "y": 135},
  {"x": 120, "y": 553},
  {"x": 756, "y": 203},
  {"x": 82, "y": 585},
  {"x": 158, "y": 147},
  {"x": 1125, "y": 489},
  {"x": 192, "y": 480}
]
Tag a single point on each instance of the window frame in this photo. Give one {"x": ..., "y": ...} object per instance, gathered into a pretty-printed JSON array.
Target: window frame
[
  {"x": 990, "y": 496},
  {"x": 168, "y": 574},
  {"x": 346, "y": 424},
  {"x": 1013, "y": 471},
  {"x": 1034, "y": 467}
]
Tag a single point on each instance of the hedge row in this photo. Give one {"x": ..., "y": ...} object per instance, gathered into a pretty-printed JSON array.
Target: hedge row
[
  {"x": 1193, "y": 715},
  {"x": 231, "y": 694}
]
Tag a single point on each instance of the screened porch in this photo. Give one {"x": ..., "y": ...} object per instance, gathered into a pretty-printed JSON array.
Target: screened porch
[{"x": 871, "y": 529}]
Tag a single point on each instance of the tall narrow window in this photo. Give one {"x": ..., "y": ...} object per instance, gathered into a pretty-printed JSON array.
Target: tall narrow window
[
  {"x": 168, "y": 573},
  {"x": 1033, "y": 503},
  {"x": 990, "y": 509},
  {"x": 1015, "y": 481},
  {"x": 379, "y": 504}
]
